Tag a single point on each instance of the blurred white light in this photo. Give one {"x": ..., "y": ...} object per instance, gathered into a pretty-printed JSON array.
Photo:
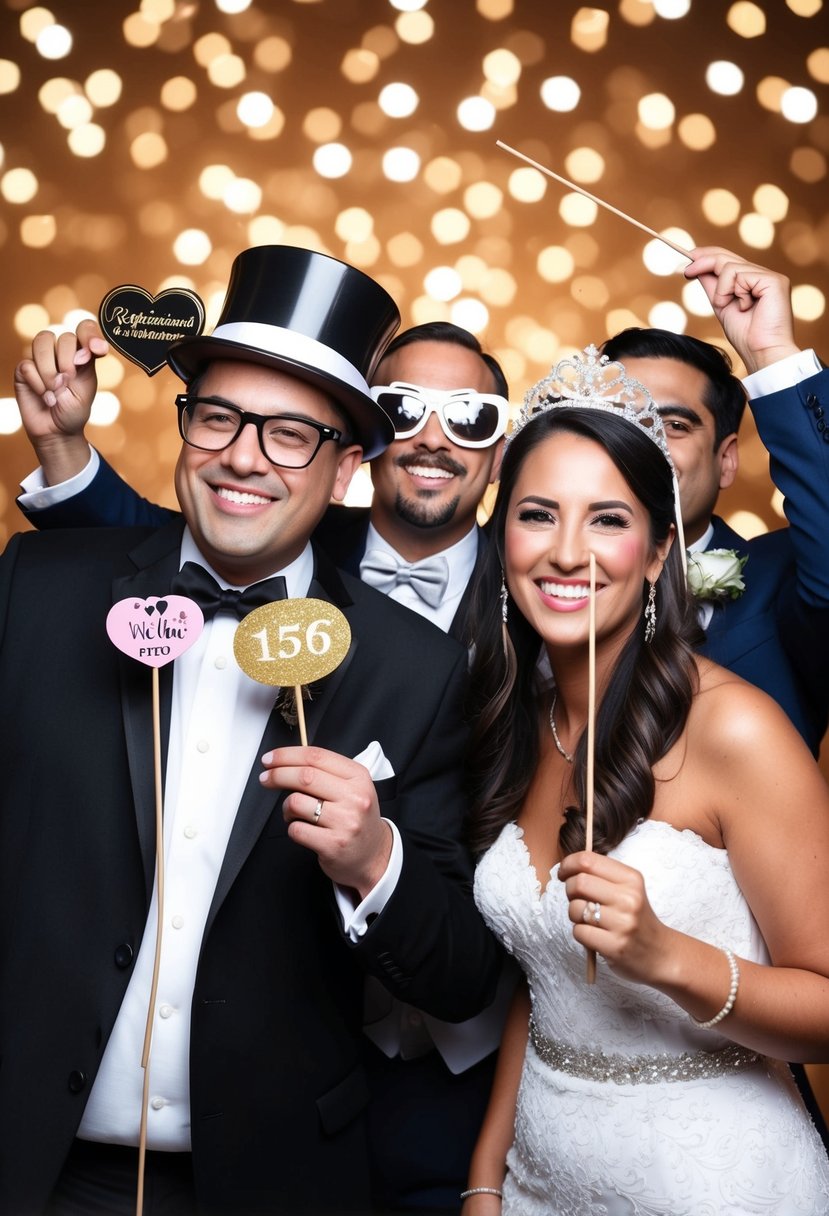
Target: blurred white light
[
  {"x": 255, "y": 109},
  {"x": 660, "y": 259},
  {"x": 243, "y": 196},
  {"x": 360, "y": 490},
  {"x": 798, "y": 105},
  {"x": 398, "y": 100},
  {"x": 470, "y": 314},
  {"x": 233, "y": 6},
  {"x": 724, "y": 77},
  {"x": 671, "y": 10},
  {"x": 105, "y": 409},
  {"x": 55, "y": 42},
  {"x": 695, "y": 301},
  {"x": 9, "y": 416},
  {"x": 668, "y": 315},
  {"x": 476, "y": 114},
  {"x": 560, "y": 93},
  {"x": 192, "y": 247},
  {"x": 401, "y": 164},
  {"x": 332, "y": 160},
  {"x": 443, "y": 283}
]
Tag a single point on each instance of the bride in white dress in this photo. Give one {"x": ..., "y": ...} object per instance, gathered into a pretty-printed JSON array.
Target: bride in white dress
[{"x": 658, "y": 1088}]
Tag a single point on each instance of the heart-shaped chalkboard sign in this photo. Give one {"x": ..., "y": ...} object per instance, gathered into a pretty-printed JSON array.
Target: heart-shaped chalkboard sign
[{"x": 143, "y": 327}]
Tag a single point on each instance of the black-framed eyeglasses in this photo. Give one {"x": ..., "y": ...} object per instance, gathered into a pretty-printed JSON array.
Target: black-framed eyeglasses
[
  {"x": 212, "y": 424},
  {"x": 467, "y": 417}
]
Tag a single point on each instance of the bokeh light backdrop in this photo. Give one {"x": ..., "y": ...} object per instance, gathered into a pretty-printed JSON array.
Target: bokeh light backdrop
[{"x": 149, "y": 143}]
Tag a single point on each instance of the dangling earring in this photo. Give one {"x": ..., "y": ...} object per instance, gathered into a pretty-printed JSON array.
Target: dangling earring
[
  {"x": 650, "y": 614},
  {"x": 505, "y": 638}
]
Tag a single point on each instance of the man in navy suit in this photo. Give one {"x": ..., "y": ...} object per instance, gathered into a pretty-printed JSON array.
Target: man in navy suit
[
  {"x": 277, "y": 906},
  {"x": 773, "y": 633}
]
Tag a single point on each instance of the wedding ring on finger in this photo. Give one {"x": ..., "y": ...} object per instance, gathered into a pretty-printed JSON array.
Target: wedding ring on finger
[
  {"x": 592, "y": 911},
  {"x": 318, "y": 811}
]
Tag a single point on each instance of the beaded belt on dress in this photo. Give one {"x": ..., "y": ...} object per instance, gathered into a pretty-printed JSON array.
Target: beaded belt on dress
[{"x": 638, "y": 1070}]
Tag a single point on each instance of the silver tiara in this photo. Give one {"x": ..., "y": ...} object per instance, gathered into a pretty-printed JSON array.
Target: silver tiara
[{"x": 593, "y": 382}]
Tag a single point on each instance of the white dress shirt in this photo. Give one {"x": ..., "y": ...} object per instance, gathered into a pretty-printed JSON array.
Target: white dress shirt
[
  {"x": 217, "y": 720},
  {"x": 460, "y": 557}
]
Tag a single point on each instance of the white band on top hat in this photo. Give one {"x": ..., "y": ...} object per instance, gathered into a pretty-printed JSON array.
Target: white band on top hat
[{"x": 276, "y": 340}]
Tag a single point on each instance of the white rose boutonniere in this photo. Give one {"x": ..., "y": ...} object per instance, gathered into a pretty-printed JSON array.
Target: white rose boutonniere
[{"x": 716, "y": 574}]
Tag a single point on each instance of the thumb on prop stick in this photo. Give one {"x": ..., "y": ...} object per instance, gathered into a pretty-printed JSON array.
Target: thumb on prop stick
[{"x": 154, "y": 631}]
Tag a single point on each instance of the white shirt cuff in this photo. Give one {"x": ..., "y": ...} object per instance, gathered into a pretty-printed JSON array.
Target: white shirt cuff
[
  {"x": 36, "y": 494},
  {"x": 355, "y": 919},
  {"x": 785, "y": 373}
]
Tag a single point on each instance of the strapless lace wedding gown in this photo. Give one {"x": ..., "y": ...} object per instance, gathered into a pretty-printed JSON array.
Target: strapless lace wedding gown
[{"x": 723, "y": 1145}]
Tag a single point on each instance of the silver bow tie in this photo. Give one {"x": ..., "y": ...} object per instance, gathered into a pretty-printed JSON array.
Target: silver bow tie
[{"x": 428, "y": 577}]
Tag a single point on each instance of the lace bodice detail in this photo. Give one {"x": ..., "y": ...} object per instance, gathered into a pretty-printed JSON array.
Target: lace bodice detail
[
  {"x": 586, "y": 1146},
  {"x": 690, "y": 886}
]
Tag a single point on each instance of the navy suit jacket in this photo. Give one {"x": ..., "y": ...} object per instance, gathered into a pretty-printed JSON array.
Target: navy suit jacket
[{"x": 776, "y": 635}]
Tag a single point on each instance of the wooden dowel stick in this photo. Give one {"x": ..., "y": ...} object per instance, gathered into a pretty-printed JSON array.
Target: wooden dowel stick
[
  {"x": 591, "y": 735},
  {"x": 159, "y": 869},
  {"x": 300, "y": 715},
  {"x": 686, "y": 253}
]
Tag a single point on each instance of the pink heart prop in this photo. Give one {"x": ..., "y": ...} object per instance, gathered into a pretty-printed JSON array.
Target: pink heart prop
[{"x": 155, "y": 630}]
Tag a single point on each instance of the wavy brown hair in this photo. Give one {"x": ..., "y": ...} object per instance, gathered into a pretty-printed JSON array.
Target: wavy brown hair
[{"x": 646, "y": 703}]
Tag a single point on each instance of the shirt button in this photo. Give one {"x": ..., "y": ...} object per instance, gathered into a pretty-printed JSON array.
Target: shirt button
[
  {"x": 157, "y": 1103},
  {"x": 220, "y": 662},
  {"x": 177, "y": 922},
  {"x": 190, "y": 832},
  {"x": 166, "y": 1011},
  {"x": 202, "y": 745}
]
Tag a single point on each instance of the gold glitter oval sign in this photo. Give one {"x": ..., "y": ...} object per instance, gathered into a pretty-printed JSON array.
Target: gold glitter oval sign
[{"x": 292, "y": 642}]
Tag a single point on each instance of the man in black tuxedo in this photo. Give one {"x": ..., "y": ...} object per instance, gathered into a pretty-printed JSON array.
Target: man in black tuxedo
[
  {"x": 278, "y": 906},
  {"x": 420, "y": 544}
]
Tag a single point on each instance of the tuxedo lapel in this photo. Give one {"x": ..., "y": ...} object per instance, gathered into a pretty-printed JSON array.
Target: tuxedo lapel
[
  {"x": 157, "y": 561},
  {"x": 258, "y": 803}
]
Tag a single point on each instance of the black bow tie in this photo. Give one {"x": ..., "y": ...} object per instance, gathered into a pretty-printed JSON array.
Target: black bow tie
[{"x": 193, "y": 581}]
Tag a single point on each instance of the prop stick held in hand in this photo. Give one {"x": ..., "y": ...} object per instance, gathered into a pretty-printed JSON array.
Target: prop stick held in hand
[
  {"x": 155, "y": 632},
  {"x": 290, "y": 643},
  {"x": 591, "y": 735},
  {"x": 159, "y": 878},
  {"x": 686, "y": 253}
]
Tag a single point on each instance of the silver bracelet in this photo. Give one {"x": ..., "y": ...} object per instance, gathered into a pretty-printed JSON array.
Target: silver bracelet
[
  {"x": 729, "y": 1000},
  {"x": 482, "y": 1190}
]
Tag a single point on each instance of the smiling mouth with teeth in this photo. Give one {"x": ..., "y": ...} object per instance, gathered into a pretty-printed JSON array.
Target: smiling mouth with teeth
[
  {"x": 566, "y": 591},
  {"x": 428, "y": 471},
  {"x": 245, "y": 499}
]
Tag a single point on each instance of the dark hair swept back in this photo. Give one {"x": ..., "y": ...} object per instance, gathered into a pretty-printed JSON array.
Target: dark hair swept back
[
  {"x": 445, "y": 331},
  {"x": 724, "y": 396},
  {"x": 646, "y": 703}
]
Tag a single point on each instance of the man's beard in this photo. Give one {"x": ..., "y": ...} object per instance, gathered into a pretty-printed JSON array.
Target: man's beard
[{"x": 423, "y": 514}]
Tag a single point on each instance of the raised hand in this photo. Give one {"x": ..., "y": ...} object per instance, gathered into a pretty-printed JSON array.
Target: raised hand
[
  {"x": 54, "y": 389},
  {"x": 752, "y": 303}
]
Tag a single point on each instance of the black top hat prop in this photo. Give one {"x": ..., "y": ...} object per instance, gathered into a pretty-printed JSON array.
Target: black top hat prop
[{"x": 309, "y": 315}]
